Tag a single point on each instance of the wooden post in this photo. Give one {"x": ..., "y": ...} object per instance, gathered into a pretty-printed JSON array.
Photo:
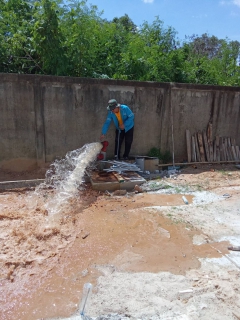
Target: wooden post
[
  {"x": 229, "y": 148},
  {"x": 211, "y": 151},
  {"x": 234, "y": 153},
  {"x": 188, "y": 139},
  {"x": 214, "y": 150},
  {"x": 224, "y": 150},
  {"x": 222, "y": 158},
  {"x": 201, "y": 149},
  {"x": 229, "y": 142},
  {"x": 197, "y": 148},
  {"x": 209, "y": 132},
  {"x": 217, "y": 149},
  {"x": 194, "y": 158},
  {"x": 206, "y": 145},
  {"x": 237, "y": 152}
]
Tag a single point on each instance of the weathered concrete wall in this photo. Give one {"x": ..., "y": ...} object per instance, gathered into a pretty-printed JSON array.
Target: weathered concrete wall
[
  {"x": 194, "y": 106},
  {"x": 43, "y": 117}
]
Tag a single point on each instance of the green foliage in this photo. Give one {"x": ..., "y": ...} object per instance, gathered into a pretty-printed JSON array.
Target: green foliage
[
  {"x": 155, "y": 153},
  {"x": 16, "y": 21},
  {"x": 81, "y": 29},
  {"x": 71, "y": 39},
  {"x": 164, "y": 157},
  {"x": 48, "y": 39},
  {"x": 211, "y": 60},
  {"x": 126, "y": 23}
]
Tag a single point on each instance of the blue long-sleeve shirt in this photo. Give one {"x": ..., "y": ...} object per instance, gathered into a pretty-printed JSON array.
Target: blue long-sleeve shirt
[{"x": 127, "y": 118}]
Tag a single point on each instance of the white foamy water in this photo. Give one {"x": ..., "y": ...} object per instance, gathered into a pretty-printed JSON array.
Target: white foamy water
[{"x": 66, "y": 175}]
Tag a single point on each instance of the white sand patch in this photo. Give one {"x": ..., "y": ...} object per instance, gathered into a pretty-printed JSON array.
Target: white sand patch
[{"x": 208, "y": 293}]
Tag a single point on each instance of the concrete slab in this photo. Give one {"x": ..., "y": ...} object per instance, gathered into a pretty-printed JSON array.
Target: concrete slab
[
  {"x": 130, "y": 180},
  {"x": 6, "y": 185},
  {"x": 103, "y": 181},
  {"x": 110, "y": 181}
]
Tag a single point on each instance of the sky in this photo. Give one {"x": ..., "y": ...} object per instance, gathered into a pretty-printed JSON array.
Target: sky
[{"x": 220, "y": 18}]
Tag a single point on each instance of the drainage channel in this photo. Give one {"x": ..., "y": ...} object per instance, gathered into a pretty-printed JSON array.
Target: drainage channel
[{"x": 8, "y": 185}]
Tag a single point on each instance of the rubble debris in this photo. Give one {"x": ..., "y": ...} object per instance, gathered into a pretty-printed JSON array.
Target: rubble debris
[
  {"x": 120, "y": 192},
  {"x": 85, "y": 236},
  {"x": 185, "y": 199},
  {"x": 234, "y": 248},
  {"x": 121, "y": 166},
  {"x": 138, "y": 189}
]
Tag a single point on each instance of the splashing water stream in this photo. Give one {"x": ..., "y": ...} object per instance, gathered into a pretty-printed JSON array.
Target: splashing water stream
[{"x": 66, "y": 175}]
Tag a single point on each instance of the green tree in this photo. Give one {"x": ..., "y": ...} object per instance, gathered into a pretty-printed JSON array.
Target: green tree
[
  {"x": 59, "y": 38},
  {"x": 16, "y": 22},
  {"x": 126, "y": 22},
  {"x": 212, "y": 61},
  {"x": 48, "y": 39},
  {"x": 81, "y": 29},
  {"x": 153, "y": 54}
]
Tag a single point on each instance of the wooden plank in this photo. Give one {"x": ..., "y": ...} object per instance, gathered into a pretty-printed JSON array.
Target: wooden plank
[
  {"x": 186, "y": 163},
  {"x": 210, "y": 146},
  {"x": 201, "y": 149},
  {"x": 197, "y": 148},
  {"x": 217, "y": 149},
  {"x": 118, "y": 177},
  {"x": 214, "y": 150},
  {"x": 229, "y": 142},
  {"x": 217, "y": 154},
  {"x": 234, "y": 153},
  {"x": 206, "y": 145},
  {"x": 193, "y": 150},
  {"x": 228, "y": 148},
  {"x": 209, "y": 132},
  {"x": 221, "y": 149},
  {"x": 230, "y": 151},
  {"x": 237, "y": 152},
  {"x": 224, "y": 150},
  {"x": 189, "y": 149},
  {"x": 210, "y": 141}
]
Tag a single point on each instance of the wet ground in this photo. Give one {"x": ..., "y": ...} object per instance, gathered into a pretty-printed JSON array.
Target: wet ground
[{"x": 44, "y": 262}]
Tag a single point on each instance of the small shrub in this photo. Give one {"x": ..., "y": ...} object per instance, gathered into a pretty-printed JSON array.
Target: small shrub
[
  {"x": 164, "y": 157},
  {"x": 154, "y": 153}
]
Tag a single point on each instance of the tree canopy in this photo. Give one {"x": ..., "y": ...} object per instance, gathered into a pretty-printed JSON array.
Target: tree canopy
[{"x": 72, "y": 39}]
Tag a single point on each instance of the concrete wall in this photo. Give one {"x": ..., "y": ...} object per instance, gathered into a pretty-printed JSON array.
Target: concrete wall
[{"x": 43, "y": 117}]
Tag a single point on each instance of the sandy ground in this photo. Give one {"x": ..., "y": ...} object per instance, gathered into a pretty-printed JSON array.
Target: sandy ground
[
  {"x": 148, "y": 255},
  {"x": 7, "y": 175}
]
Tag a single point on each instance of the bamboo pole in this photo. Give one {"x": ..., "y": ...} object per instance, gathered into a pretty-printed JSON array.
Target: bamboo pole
[{"x": 189, "y": 163}]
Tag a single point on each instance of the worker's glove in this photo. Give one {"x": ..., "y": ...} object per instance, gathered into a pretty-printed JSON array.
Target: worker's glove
[{"x": 102, "y": 137}]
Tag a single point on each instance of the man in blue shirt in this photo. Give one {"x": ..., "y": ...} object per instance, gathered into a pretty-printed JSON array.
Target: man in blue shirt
[{"x": 123, "y": 119}]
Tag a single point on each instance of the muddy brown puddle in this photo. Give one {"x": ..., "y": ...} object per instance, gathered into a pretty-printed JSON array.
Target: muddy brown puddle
[{"x": 111, "y": 231}]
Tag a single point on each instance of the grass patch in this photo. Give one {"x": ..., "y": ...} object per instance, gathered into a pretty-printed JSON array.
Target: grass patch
[
  {"x": 163, "y": 156},
  {"x": 223, "y": 172}
]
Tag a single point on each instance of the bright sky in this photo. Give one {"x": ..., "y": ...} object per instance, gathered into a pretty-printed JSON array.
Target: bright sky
[{"x": 220, "y": 18}]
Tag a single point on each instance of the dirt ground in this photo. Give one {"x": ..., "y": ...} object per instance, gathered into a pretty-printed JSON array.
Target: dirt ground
[
  {"x": 7, "y": 175},
  {"x": 148, "y": 255}
]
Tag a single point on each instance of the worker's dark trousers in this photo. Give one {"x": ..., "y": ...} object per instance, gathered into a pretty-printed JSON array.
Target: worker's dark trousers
[{"x": 120, "y": 135}]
